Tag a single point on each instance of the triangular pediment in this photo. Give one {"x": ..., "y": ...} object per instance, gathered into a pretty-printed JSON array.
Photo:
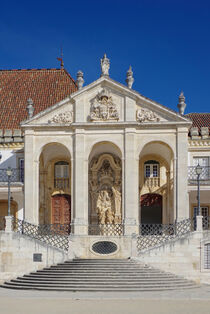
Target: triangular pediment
[{"x": 106, "y": 101}]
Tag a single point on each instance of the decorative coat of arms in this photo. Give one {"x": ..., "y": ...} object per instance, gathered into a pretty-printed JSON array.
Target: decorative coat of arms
[
  {"x": 103, "y": 109},
  {"x": 63, "y": 117},
  {"x": 143, "y": 115}
]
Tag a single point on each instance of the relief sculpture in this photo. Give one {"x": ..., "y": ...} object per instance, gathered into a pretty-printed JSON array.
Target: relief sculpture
[
  {"x": 103, "y": 108},
  {"x": 143, "y": 115}
]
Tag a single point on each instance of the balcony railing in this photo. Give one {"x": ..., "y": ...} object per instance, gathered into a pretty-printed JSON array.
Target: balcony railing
[
  {"x": 17, "y": 175},
  {"x": 204, "y": 177}
]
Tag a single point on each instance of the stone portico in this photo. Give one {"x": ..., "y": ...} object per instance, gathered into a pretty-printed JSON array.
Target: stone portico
[{"x": 106, "y": 155}]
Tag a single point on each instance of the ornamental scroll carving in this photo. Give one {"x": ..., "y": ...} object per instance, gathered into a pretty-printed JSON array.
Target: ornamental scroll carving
[
  {"x": 105, "y": 189},
  {"x": 144, "y": 115},
  {"x": 103, "y": 108},
  {"x": 63, "y": 117}
]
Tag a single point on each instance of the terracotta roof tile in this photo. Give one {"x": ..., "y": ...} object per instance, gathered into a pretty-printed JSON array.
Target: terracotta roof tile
[
  {"x": 45, "y": 87},
  {"x": 199, "y": 120}
]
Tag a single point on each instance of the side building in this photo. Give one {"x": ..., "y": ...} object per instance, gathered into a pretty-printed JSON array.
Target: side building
[{"x": 23, "y": 93}]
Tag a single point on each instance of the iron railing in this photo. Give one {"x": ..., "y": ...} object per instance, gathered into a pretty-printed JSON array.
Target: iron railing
[
  {"x": 2, "y": 223},
  {"x": 151, "y": 235},
  {"x": 17, "y": 175},
  {"x": 204, "y": 177},
  {"x": 206, "y": 223},
  {"x": 106, "y": 229},
  {"x": 52, "y": 234}
]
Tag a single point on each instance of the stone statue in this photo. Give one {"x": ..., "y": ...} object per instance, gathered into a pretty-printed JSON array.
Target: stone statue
[
  {"x": 103, "y": 205},
  {"x": 105, "y": 65},
  {"x": 117, "y": 200},
  {"x": 109, "y": 216}
]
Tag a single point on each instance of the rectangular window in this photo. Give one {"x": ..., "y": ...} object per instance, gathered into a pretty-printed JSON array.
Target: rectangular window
[
  {"x": 151, "y": 171},
  {"x": 21, "y": 170},
  {"x": 204, "y": 211}
]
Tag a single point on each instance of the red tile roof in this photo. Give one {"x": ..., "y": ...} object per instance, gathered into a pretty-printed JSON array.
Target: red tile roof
[
  {"x": 45, "y": 87},
  {"x": 199, "y": 120}
]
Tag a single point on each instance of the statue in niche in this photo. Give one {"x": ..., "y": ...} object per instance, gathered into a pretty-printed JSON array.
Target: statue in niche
[
  {"x": 109, "y": 216},
  {"x": 103, "y": 205},
  {"x": 105, "y": 190},
  {"x": 117, "y": 200}
]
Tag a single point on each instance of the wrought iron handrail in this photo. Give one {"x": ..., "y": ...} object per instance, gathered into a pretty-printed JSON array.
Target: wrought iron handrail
[
  {"x": 204, "y": 176},
  {"x": 151, "y": 235},
  {"x": 2, "y": 223},
  {"x": 17, "y": 175},
  {"x": 206, "y": 222},
  {"x": 52, "y": 234},
  {"x": 106, "y": 229}
]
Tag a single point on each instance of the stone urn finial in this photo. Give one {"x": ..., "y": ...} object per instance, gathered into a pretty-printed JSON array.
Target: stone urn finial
[
  {"x": 105, "y": 65},
  {"x": 181, "y": 105},
  {"x": 30, "y": 108},
  {"x": 129, "y": 77},
  {"x": 80, "y": 81}
]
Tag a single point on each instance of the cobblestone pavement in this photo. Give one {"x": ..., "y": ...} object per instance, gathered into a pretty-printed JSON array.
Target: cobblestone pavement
[{"x": 170, "y": 302}]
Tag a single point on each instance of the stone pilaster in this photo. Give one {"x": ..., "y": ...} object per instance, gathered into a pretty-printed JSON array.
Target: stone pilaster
[
  {"x": 131, "y": 183},
  {"x": 80, "y": 179}
]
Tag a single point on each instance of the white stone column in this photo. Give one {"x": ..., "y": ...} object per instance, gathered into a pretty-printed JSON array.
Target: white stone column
[
  {"x": 80, "y": 173},
  {"x": 182, "y": 176},
  {"x": 131, "y": 183},
  {"x": 31, "y": 184}
]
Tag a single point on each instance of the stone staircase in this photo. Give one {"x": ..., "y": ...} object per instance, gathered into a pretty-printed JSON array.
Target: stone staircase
[{"x": 100, "y": 275}]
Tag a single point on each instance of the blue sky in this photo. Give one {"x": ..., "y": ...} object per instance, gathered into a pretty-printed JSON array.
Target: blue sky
[{"x": 166, "y": 42}]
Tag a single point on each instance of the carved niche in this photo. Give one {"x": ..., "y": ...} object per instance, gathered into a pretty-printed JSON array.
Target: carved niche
[
  {"x": 105, "y": 188},
  {"x": 103, "y": 108},
  {"x": 63, "y": 117},
  {"x": 144, "y": 115}
]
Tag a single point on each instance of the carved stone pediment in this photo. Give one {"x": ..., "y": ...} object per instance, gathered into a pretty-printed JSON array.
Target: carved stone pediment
[
  {"x": 63, "y": 117},
  {"x": 144, "y": 115},
  {"x": 103, "y": 108}
]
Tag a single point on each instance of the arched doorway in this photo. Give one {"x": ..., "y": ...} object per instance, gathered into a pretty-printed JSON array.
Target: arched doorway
[
  {"x": 151, "y": 208},
  {"x": 61, "y": 209}
]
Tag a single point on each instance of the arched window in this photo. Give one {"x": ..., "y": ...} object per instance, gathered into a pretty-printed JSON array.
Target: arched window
[
  {"x": 61, "y": 177},
  {"x": 151, "y": 169}
]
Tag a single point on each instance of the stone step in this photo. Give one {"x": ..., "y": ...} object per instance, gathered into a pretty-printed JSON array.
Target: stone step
[
  {"x": 110, "y": 287},
  {"x": 90, "y": 282},
  {"x": 88, "y": 275},
  {"x": 98, "y": 276}
]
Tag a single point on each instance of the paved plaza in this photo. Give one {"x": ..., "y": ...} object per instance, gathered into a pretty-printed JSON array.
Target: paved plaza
[{"x": 170, "y": 302}]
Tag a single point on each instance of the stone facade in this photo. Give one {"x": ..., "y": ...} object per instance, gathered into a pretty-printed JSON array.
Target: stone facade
[{"x": 107, "y": 156}]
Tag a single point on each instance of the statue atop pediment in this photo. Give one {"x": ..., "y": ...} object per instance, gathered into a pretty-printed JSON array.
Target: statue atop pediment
[
  {"x": 103, "y": 108},
  {"x": 105, "y": 65}
]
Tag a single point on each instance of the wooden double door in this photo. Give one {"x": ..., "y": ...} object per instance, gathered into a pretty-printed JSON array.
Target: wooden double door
[{"x": 61, "y": 209}]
